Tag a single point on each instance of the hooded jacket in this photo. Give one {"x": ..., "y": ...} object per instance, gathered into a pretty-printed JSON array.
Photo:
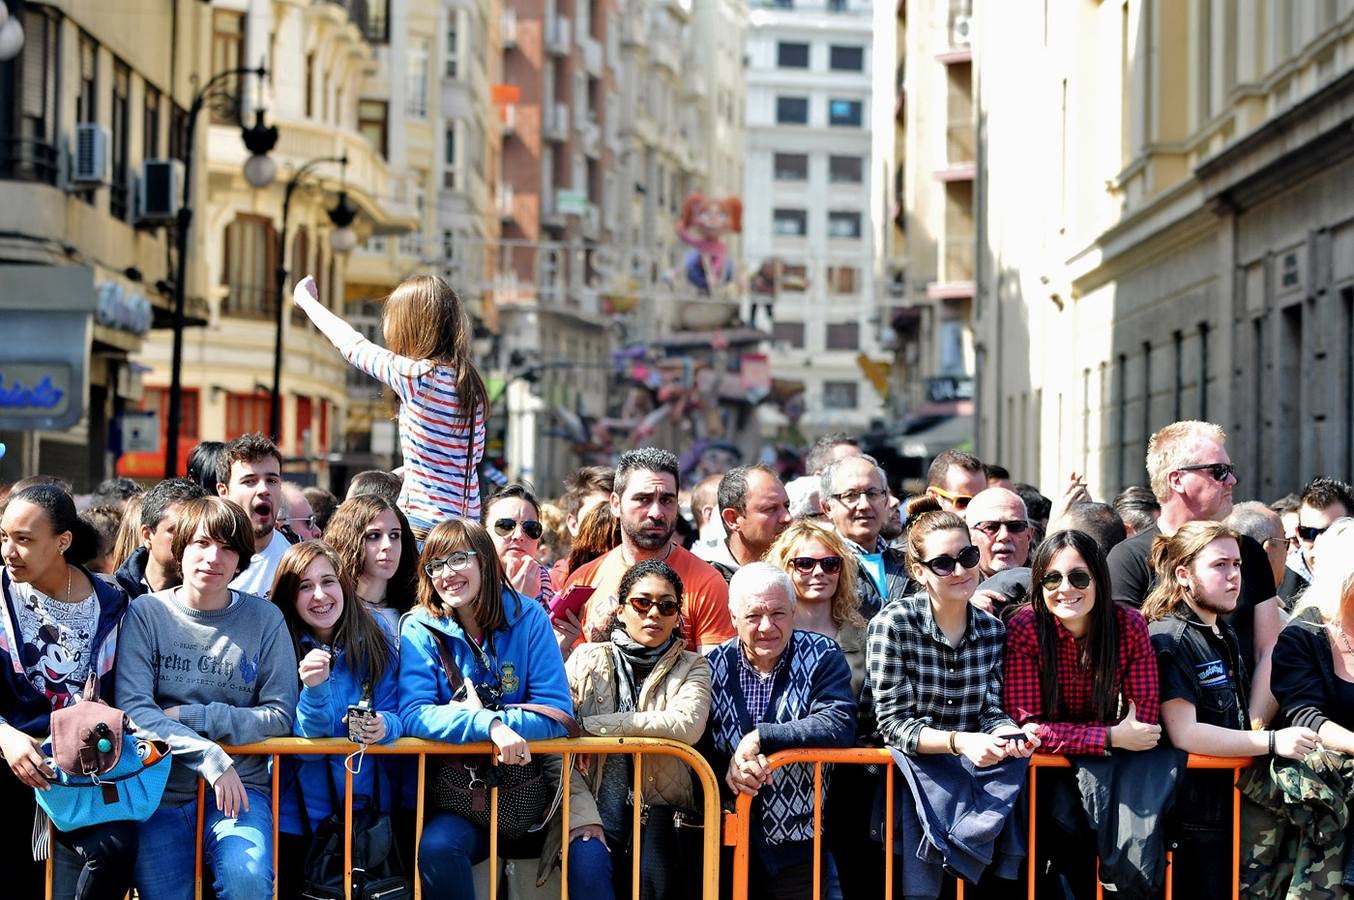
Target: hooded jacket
[
  {"x": 525, "y": 662},
  {"x": 131, "y": 575},
  {"x": 21, "y": 704}
]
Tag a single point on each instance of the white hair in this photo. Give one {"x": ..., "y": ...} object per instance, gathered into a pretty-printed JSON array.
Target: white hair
[
  {"x": 1334, "y": 575},
  {"x": 803, "y": 494},
  {"x": 830, "y": 473},
  {"x": 756, "y": 579}
]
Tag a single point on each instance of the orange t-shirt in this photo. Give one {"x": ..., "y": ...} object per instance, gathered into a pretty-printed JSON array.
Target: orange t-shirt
[{"x": 705, "y": 595}]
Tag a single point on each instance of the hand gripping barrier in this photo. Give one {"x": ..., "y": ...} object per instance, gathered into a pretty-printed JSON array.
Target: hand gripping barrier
[{"x": 739, "y": 824}]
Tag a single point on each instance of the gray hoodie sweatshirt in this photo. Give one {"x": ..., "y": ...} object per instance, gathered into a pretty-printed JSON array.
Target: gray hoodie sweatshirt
[{"x": 231, "y": 672}]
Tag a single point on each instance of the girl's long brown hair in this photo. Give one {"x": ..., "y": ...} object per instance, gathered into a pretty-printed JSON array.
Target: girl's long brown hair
[
  {"x": 424, "y": 319},
  {"x": 346, "y": 533},
  {"x": 369, "y": 649},
  {"x": 1169, "y": 554},
  {"x": 844, "y": 604},
  {"x": 598, "y": 534},
  {"x": 449, "y": 536}
]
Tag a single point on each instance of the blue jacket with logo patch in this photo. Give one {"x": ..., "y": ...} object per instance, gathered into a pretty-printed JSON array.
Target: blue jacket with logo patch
[{"x": 526, "y": 665}]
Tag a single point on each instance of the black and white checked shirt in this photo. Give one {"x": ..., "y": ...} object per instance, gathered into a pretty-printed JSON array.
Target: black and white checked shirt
[
  {"x": 919, "y": 680},
  {"x": 756, "y": 686}
]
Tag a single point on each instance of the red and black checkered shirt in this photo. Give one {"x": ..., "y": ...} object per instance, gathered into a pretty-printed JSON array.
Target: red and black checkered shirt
[{"x": 1076, "y": 731}]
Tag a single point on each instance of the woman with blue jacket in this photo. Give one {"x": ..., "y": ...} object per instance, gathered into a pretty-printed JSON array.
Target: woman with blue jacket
[
  {"x": 502, "y": 643},
  {"x": 58, "y": 624},
  {"x": 347, "y": 658}
]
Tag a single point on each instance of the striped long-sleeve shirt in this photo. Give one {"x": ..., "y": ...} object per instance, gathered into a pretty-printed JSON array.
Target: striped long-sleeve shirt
[{"x": 440, "y": 459}]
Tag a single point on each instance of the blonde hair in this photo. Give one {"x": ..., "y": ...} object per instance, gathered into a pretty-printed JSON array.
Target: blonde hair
[
  {"x": 1172, "y": 447},
  {"x": 1332, "y": 587},
  {"x": 128, "y": 539},
  {"x": 844, "y": 605},
  {"x": 1169, "y": 554}
]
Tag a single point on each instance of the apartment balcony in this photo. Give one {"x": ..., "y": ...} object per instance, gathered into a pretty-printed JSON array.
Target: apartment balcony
[
  {"x": 507, "y": 119},
  {"x": 665, "y": 54},
  {"x": 559, "y": 39},
  {"x": 695, "y": 85},
  {"x": 507, "y": 29},
  {"x": 591, "y": 222},
  {"x": 555, "y": 122},
  {"x": 633, "y": 28},
  {"x": 504, "y": 197},
  {"x": 590, "y": 137},
  {"x": 593, "y": 56},
  {"x": 551, "y": 217}
]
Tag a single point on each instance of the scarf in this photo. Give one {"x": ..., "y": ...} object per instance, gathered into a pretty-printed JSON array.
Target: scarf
[{"x": 634, "y": 662}]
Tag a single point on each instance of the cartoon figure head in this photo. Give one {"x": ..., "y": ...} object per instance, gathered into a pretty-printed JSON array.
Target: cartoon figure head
[
  {"x": 710, "y": 218},
  {"x": 55, "y": 668}
]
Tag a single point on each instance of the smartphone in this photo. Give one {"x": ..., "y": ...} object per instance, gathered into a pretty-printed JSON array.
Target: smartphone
[
  {"x": 1019, "y": 737},
  {"x": 570, "y": 601},
  {"x": 359, "y": 715}
]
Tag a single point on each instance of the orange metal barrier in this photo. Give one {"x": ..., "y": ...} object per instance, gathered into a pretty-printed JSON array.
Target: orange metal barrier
[{"x": 738, "y": 829}]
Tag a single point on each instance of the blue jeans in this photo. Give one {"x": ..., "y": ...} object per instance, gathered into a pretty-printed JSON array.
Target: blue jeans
[
  {"x": 447, "y": 855},
  {"x": 238, "y": 853},
  {"x": 590, "y": 870}
]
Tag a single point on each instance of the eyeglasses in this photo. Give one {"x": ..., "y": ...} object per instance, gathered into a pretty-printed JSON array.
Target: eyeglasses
[
  {"x": 1308, "y": 533},
  {"x": 530, "y": 527},
  {"x": 1078, "y": 578},
  {"x": 309, "y": 521},
  {"x": 960, "y": 501},
  {"x": 805, "y": 565},
  {"x": 945, "y": 564},
  {"x": 850, "y": 498},
  {"x": 456, "y": 562},
  {"x": 666, "y": 608},
  {"x": 1013, "y": 526},
  {"x": 1216, "y": 471}
]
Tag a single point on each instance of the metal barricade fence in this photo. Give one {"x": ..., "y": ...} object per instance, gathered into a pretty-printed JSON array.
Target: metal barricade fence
[{"x": 738, "y": 830}]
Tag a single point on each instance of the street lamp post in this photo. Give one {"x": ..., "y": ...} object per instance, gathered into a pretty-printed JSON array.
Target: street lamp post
[
  {"x": 341, "y": 240},
  {"x": 259, "y": 139}
]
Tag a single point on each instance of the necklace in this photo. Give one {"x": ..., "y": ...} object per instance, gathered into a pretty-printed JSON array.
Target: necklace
[{"x": 1344, "y": 638}]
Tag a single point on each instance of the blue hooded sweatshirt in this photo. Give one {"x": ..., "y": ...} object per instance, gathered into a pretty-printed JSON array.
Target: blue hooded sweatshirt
[
  {"x": 526, "y": 665},
  {"x": 21, "y": 704},
  {"x": 319, "y": 714}
]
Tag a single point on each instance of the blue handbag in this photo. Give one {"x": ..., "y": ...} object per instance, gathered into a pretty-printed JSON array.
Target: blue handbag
[{"x": 103, "y": 773}]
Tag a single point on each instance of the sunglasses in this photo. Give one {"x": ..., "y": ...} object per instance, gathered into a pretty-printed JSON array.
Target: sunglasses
[
  {"x": 308, "y": 520},
  {"x": 666, "y": 608},
  {"x": 945, "y": 564},
  {"x": 530, "y": 527},
  {"x": 805, "y": 565},
  {"x": 456, "y": 562},
  {"x": 960, "y": 501},
  {"x": 1078, "y": 578},
  {"x": 1310, "y": 533},
  {"x": 1013, "y": 526},
  {"x": 1216, "y": 471}
]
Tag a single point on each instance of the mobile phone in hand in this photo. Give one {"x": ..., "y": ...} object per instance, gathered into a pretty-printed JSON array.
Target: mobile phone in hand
[
  {"x": 570, "y": 601},
  {"x": 359, "y": 715}
]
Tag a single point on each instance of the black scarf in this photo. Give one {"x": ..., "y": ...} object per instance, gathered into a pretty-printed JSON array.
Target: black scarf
[{"x": 634, "y": 662}]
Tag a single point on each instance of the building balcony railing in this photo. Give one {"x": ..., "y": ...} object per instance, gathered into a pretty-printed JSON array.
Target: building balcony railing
[
  {"x": 507, "y": 29},
  {"x": 664, "y": 52},
  {"x": 590, "y": 137},
  {"x": 559, "y": 36},
  {"x": 27, "y": 160},
  {"x": 592, "y": 55},
  {"x": 555, "y": 122},
  {"x": 503, "y": 201}
]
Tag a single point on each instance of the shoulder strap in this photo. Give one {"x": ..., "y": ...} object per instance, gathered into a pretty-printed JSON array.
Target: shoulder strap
[{"x": 453, "y": 672}]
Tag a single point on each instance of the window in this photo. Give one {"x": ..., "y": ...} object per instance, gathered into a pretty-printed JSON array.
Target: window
[
  {"x": 250, "y": 264},
  {"x": 86, "y": 102},
  {"x": 305, "y": 422},
  {"x": 30, "y": 154},
  {"x": 794, "y": 277},
  {"x": 122, "y": 123},
  {"x": 792, "y": 167},
  {"x": 310, "y": 85},
  {"x": 416, "y": 91},
  {"x": 843, "y": 336},
  {"x": 449, "y": 159},
  {"x": 839, "y": 395},
  {"x": 789, "y": 222},
  {"x": 846, "y": 59},
  {"x": 844, "y": 112},
  {"x": 178, "y": 132},
  {"x": 247, "y": 413},
  {"x": 843, "y": 225},
  {"x": 228, "y": 53},
  {"x": 791, "y": 55},
  {"x": 377, "y": 28},
  {"x": 842, "y": 279},
  {"x": 150, "y": 125},
  {"x": 789, "y": 333},
  {"x": 792, "y": 110},
  {"x": 453, "y": 47},
  {"x": 372, "y": 118},
  {"x": 845, "y": 169}
]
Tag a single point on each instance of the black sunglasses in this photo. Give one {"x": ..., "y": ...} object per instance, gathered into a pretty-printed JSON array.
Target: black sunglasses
[
  {"x": 1216, "y": 471},
  {"x": 804, "y": 565},
  {"x": 945, "y": 564},
  {"x": 530, "y": 527},
  {"x": 1078, "y": 578},
  {"x": 1013, "y": 526},
  {"x": 1310, "y": 533},
  {"x": 666, "y": 608}
]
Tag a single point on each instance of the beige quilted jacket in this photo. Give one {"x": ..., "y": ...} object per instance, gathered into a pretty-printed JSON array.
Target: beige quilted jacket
[{"x": 674, "y": 702}]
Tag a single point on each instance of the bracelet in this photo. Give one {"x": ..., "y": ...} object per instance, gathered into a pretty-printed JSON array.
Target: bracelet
[
  {"x": 1271, "y": 743},
  {"x": 954, "y": 750},
  {"x": 1109, "y": 736}
]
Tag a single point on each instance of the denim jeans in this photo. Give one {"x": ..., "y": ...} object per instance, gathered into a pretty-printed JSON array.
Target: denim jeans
[
  {"x": 237, "y": 853},
  {"x": 590, "y": 870},
  {"x": 447, "y": 854}
]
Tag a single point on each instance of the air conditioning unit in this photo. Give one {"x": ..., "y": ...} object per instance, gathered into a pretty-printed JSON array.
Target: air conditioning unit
[
  {"x": 961, "y": 31},
  {"x": 90, "y": 164},
  {"x": 159, "y": 190}
]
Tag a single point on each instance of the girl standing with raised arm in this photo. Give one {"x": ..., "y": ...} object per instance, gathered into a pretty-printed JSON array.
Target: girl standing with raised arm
[{"x": 443, "y": 400}]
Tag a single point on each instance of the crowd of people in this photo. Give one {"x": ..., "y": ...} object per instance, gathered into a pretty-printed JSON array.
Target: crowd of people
[{"x": 965, "y": 629}]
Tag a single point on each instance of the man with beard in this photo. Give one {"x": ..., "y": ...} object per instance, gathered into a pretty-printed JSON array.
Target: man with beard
[
  {"x": 644, "y": 499},
  {"x": 249, "y": 475}
]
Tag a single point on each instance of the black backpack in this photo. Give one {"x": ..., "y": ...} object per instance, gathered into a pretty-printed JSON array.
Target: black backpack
[{"x": 378, "y": 870}]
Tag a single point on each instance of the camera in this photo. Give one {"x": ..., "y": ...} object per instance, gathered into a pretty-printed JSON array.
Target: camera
[
  {"x": 358, "y": 717},
  {"x": 491, "y": 695}
]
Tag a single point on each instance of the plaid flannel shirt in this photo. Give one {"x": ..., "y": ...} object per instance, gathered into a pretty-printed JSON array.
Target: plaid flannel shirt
[
  {"x": 756, "y": 687},
  {"x": 1076, "y": 730},
  {"x": 919, "y": 680}
]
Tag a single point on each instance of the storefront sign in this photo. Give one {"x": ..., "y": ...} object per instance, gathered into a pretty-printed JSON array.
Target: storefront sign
[{"x": 32, "y": 392}]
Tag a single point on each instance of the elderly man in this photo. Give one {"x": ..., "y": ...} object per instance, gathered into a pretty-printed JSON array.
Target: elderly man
[
  {"x": 1257, "y": 521},
  {"x": 1000, "y": 529},
  {"x": 297, "y": 514},
  {"x": 775, "y": 688},
  {"x": 855, "y": 498}
]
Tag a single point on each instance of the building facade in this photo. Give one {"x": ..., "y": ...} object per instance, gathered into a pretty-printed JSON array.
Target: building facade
[
  {"x": 811, "y": 183},
  {"x": 1176, "y": 241}
]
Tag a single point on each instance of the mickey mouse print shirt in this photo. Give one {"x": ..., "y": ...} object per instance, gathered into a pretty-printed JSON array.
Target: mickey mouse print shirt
[{"x": 55, "y": 641}]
